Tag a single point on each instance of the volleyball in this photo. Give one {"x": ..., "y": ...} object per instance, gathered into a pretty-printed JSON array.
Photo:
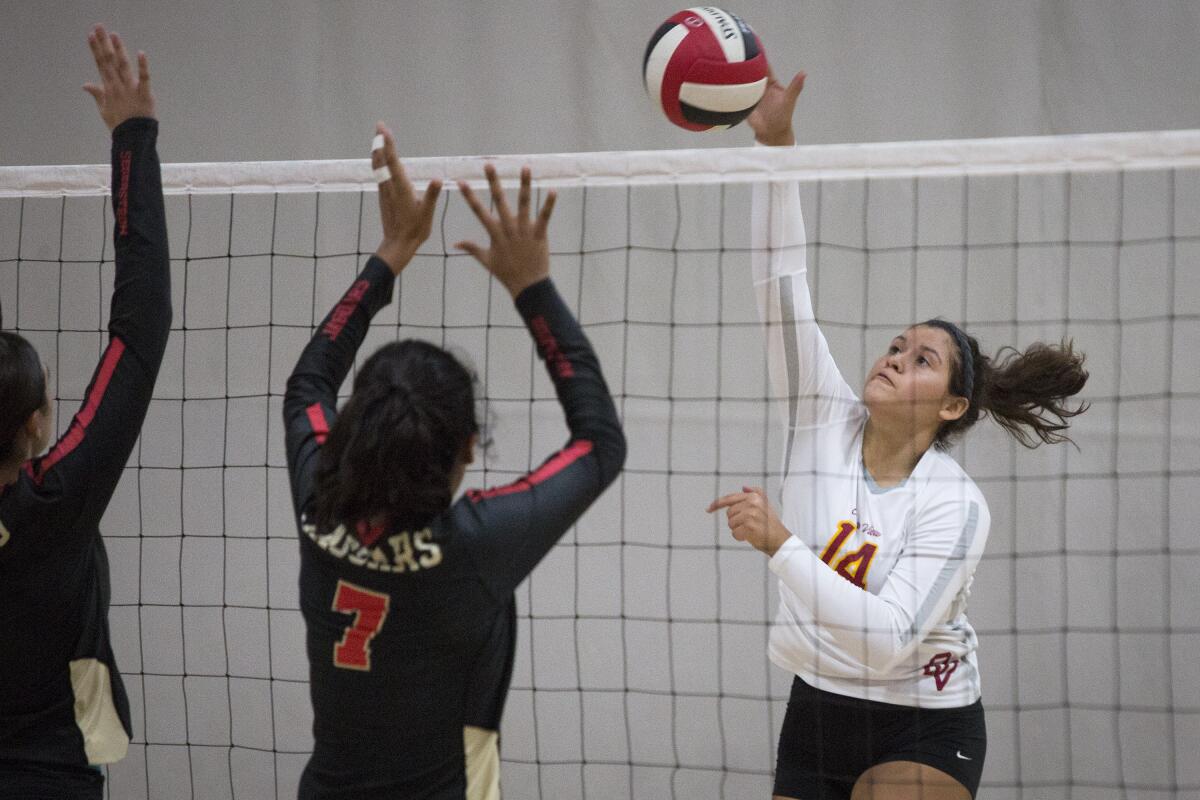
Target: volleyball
[{"x": 705, "y": 69}]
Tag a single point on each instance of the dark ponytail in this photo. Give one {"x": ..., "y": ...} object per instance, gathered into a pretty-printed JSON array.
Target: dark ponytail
[
  {"x": 1026, "y": 392},
  {"x": 22, "y": 388},
  {"x": 393, "y": 448}
]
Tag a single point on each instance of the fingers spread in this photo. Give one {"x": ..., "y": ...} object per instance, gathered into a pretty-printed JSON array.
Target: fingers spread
[
  {"x": 523, "y": 197},
  {"x": 394, "y": 166},
  {"x": 471, "y": 248},
  {"x": 498, "y": 199},
  {"x": 124, "y": 71},
  {"x": 429, "y": 201},
  {"x": 94, "y": 45},
  {"x": 481, "y": 213},
  {"x": 107, "y": 54},
  {"x": 143, "y": 73},
  {"x": 544, "y": 217},
  {"x": 98, "y": 42}
]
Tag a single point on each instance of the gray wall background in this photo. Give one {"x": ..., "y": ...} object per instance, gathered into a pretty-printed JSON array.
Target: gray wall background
[{"x": 300, "y": 79}]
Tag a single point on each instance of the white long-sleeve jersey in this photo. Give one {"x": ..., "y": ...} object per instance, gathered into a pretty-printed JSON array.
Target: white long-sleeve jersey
[{"x": 873, "y": 582}]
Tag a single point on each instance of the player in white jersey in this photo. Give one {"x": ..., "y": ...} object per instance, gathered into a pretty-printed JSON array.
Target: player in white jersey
[{"x": 880, "y": 530}]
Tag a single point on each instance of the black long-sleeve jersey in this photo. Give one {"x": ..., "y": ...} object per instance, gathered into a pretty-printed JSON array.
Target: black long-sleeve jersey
[
  {"x": 62, "y": 703},
  {"x": 411, "y": 633}
]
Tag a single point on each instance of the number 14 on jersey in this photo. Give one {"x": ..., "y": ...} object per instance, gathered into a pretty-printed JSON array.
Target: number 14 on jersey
[{"x": 852, "y": 566}]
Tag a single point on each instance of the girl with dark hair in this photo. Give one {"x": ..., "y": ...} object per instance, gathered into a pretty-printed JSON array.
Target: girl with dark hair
[
  {"x": 881, "y": 530},
  {"x": 406, "y": 595},
  {"x": 63, "y": 708}
]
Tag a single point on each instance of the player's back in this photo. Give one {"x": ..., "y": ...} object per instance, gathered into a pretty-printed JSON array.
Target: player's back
[{"x": 401, "y": 629}]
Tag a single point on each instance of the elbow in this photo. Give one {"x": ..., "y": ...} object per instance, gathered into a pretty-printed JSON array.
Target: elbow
[
  {"x": 296, "y": 396},
  {"x": 610, "y": 449},
  {"x": 888, "y": 651},
  {"x": 295, "y": 390},
  {"x": 618, "y": 449},
  {"x": 167, "y": 318}
]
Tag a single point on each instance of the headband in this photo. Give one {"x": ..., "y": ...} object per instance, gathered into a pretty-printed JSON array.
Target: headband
[{"x": 964, "y": 352}]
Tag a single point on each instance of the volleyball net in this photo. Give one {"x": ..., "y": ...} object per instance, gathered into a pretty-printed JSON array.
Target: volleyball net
[{"x": 642, "y": 667}]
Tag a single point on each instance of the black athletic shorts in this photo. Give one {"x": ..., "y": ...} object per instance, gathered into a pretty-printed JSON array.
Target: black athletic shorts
[{"x": 828, "y": 740}]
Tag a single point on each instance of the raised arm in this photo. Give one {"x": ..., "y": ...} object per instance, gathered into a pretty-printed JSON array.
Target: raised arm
[
  {"x": 310, "y": 402},
  {"x": 517, "y": 524},
  {"x": 85, "y": 465},
  {"x": 801, "y": 367}
]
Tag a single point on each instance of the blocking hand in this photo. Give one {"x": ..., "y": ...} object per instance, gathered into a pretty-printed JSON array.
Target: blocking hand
[
  {"x": 121, "y": 95},
  {"x": 518, "y": 255}
]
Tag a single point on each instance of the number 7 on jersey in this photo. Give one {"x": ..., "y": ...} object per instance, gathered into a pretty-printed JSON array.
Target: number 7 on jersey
[{"x": 370, "y": 609}]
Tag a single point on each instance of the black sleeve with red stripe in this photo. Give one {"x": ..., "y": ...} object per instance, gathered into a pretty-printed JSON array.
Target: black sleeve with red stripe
[
  {"x": 516, "y": 525},
  {"x": 84, "y": 466},
  {"x": 310, "y": 404}
]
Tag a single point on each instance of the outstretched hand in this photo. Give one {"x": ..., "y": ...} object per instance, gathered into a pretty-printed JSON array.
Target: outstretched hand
[
  {"x": 751, "y": 519},
  {"x": 406, "y": 220},
  {"x": 772, "y": 117},
  {"x": 518, "y": 255},
  {"x": 121, "y": 95}
]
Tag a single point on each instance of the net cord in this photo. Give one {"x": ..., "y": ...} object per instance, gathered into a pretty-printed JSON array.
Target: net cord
[{"x": 1105, "y": 152}]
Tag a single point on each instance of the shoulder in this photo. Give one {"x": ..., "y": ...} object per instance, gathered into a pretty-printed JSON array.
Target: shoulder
[
  {"x": 945, "y": 488},
  {"x": 943, "y": 477},
  {"x": 846, "y": 428}
]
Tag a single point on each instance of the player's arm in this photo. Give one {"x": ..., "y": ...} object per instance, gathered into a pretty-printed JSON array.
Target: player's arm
[
  {"x": 799, "y": 360},
  {"x": 880, "y": 630},
  {"x": 310, "y": 401},
  {"x": 86, "y": 463},
  {"x": 516, "y": 525}
]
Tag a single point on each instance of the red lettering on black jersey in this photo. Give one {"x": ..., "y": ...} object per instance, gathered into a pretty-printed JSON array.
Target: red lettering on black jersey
[
  {"x": 345, "y": 307},
  {"x": 126, "y": 158},
  {"x": 554, "y": 356}
]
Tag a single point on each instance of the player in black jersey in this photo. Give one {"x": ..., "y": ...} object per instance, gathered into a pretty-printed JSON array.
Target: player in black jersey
[
  {"x": 63, "y": 708},
  {"x": 408, "y": 597}
]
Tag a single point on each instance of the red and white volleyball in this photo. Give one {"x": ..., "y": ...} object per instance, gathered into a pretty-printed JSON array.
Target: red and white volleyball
[{"x": 705, "y": 68}]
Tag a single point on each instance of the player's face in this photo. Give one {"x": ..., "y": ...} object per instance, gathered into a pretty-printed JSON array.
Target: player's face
[{"x": 913, "y": 376}]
